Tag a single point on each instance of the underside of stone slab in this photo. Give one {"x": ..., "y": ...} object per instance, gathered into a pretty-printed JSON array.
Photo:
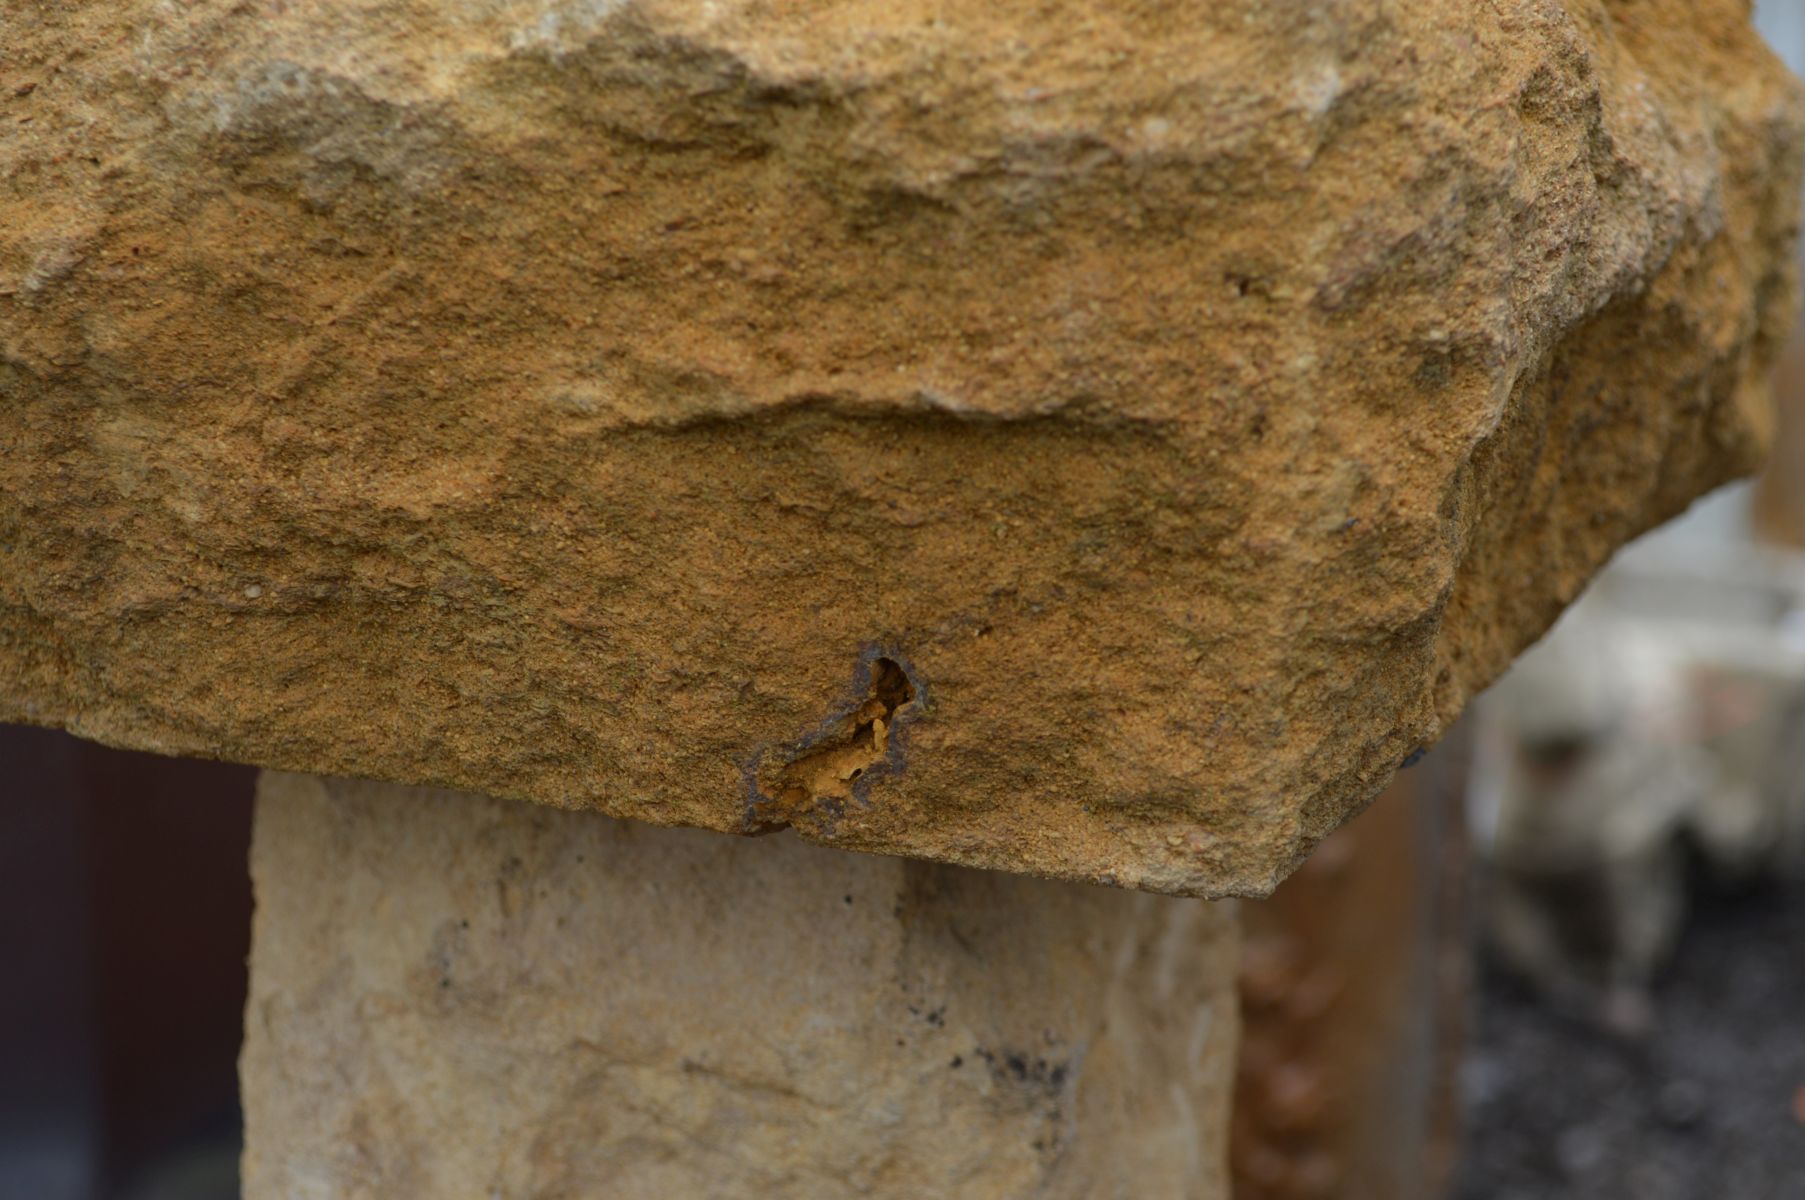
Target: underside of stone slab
[
  {"x": 1086, "y": 440},
  {"x": 453, "y": 996}
]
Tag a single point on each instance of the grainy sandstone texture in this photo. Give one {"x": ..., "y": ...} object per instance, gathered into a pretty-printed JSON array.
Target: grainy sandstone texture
[
  {"x": 1090, "y": 439},
  {"x": 454, "y": 996}
]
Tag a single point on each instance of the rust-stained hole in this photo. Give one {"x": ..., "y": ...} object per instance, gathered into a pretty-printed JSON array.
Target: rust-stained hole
[{"x": 826, "y": 771}]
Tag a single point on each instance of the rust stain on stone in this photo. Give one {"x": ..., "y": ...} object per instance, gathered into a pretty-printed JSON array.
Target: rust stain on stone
[{"x": 834, "y": 766}]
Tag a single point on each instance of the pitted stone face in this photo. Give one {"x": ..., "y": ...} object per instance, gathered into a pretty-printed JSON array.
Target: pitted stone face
[
  {"x": 836, "y": 766},
  {"x": 1194, "y": 403}
]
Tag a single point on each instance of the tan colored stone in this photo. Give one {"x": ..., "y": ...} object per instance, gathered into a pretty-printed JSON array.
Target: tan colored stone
[
  {"x": 1194, "y": 402},
  {"x": 459, "y": 997}
]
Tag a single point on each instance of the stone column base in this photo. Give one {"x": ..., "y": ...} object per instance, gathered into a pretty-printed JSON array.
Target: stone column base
[{"x": 458, "y": 997}]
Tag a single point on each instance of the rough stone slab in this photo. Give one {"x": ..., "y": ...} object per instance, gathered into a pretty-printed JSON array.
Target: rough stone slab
[
  {"x": 457, "y": 997},
  {"x": 1193, "y": 404}
]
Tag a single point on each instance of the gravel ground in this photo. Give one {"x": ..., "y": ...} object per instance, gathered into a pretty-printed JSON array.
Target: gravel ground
[{"x": 1710, "y": 1107}]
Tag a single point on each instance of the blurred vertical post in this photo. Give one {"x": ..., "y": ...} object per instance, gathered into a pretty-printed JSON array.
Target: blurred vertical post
[
  {"x": 1780, "y": 493},
  {"x": 1354, "y": 990},
  {"x": 1779, "y": 509}
]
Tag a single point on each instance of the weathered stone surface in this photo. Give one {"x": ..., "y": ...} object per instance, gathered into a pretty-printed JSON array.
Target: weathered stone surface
[
  {"x": 1192, "y": 403},
  {"x": 459, "y": 997}
]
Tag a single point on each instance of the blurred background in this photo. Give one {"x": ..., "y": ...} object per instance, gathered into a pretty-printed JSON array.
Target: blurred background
[
  {"x": 1562, "y": 957},
  {"x": 1636, "y": 805},
  {"x": 124, "y": 923}
]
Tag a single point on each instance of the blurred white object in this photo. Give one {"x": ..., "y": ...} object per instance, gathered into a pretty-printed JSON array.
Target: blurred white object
[{"x": 1666, "y": 708}]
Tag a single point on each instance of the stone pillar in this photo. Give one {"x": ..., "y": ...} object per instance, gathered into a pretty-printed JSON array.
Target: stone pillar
[{"x": 459, "y": 997}]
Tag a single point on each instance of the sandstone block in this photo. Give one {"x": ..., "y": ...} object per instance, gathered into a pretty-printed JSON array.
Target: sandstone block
[{"x": 1088, "y": 440}]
